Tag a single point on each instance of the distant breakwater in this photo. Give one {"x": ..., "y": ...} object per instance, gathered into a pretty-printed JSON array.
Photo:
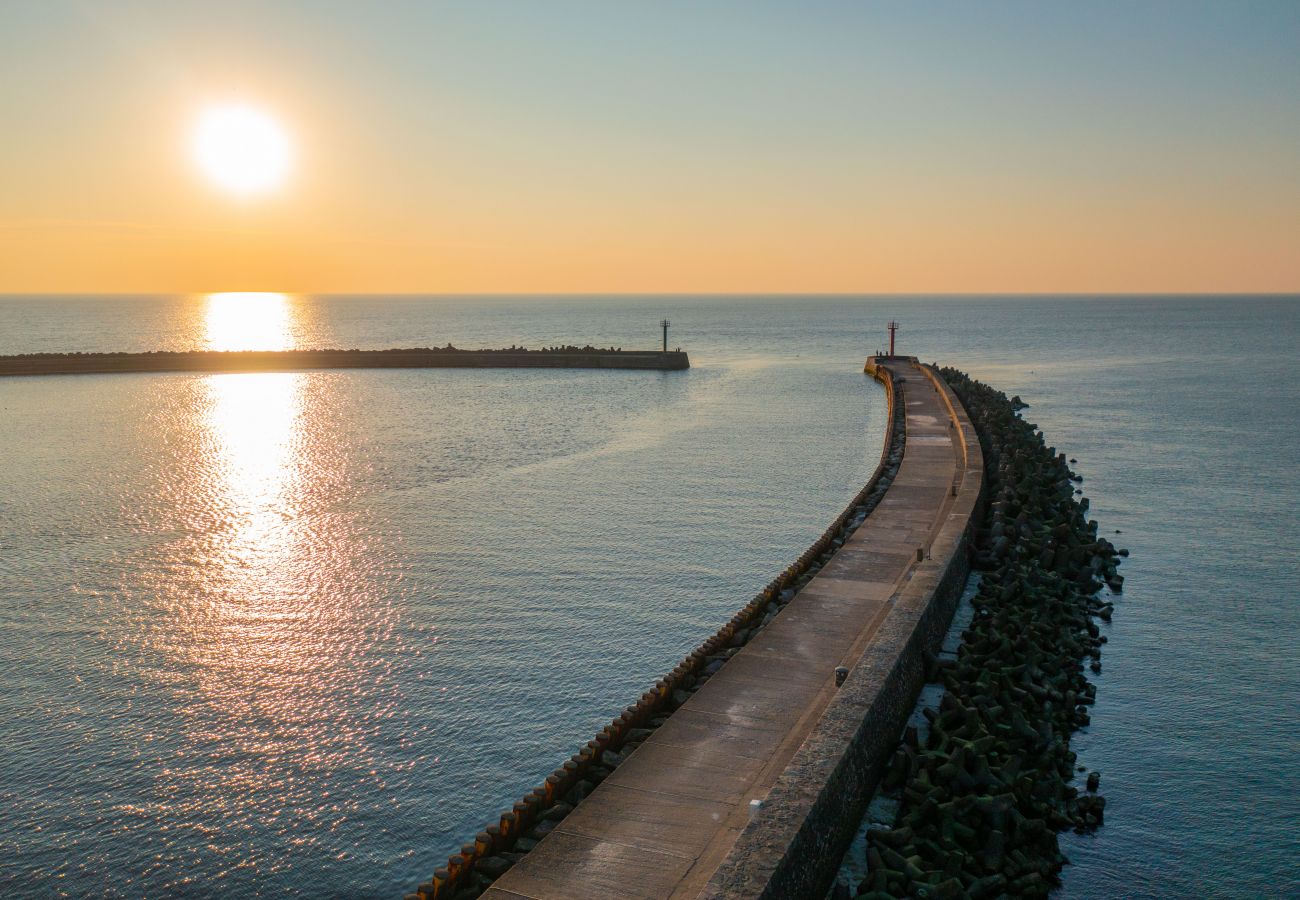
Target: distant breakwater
[
  {"x": 985, "y": 786},
  {"x": 504, "y": 842},
  {"x": 568, "y": 357}
]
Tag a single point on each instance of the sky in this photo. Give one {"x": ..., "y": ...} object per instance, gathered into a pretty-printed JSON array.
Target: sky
[{"x": 608, "y": 146}]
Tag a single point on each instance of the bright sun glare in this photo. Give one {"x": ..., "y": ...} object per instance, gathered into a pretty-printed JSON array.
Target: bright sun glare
[
  {"x": 242, "y": 148},
  {"x": 247, "y": 320}
]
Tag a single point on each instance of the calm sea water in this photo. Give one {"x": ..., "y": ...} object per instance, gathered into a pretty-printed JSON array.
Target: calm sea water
[{"x": 304, "y": 633}]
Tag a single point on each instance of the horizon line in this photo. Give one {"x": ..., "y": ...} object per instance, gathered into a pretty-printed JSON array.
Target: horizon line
[{"x": 1295, "y": 293}]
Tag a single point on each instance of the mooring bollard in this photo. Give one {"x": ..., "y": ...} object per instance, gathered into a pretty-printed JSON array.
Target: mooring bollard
[{"x": 841, "y": 673}]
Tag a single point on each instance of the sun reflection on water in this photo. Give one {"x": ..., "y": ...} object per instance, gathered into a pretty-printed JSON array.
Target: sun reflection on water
[
  {"x": 256, "y": 469},
  {"x": 253, "y": 422},
  {"x": 253, "y": 425},
  {"x": 273, "y": 619},
  {"x": 248, "y": 320}
]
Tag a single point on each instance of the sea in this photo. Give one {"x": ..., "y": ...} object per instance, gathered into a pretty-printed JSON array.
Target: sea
[{"x": 305, "y": 633}]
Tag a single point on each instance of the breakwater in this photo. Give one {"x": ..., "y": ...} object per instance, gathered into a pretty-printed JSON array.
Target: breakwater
[
  {"x": 985, "y": 784},
  {"x": 658, "y": 802},
  {"x": 297, "y": 360},
  {"x": 508, "y": 838},
  {"x": 793, "y": 846}
]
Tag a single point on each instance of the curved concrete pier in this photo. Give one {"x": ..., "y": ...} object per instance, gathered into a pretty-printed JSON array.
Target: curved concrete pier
[{"x": 755, "y": 785}]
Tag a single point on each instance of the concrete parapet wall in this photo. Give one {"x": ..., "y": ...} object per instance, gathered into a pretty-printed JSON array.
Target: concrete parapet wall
[{"x": 793, "y": 845}]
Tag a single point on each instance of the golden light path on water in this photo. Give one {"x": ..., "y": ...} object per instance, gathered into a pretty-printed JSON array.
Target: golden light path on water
[
  {"x": 273, "y": 618},
  {"x": 247, "y": 320},
  {"x": 253, "y": 422},
  {"x": 253, "y": 428}
]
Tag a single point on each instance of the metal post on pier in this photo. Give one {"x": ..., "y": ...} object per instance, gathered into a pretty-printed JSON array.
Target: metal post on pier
[
  {"x": 893, "y": 327},
  {"x": 665, "y": 323}
]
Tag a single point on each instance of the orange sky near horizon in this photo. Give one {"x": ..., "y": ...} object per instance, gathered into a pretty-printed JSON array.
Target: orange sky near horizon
[{"x": 443, "y": 152}]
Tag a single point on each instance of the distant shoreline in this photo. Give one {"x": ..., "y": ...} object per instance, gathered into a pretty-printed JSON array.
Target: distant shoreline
[{"x": 293, "y": 360}]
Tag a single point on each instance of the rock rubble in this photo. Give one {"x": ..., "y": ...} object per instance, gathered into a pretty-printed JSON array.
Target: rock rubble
[{"x": 983, "y": 795}]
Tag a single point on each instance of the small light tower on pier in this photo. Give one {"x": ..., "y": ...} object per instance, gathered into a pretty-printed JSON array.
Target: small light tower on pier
[
  {"x": 893, "y": 327},
  {"x": 664, "y": 324}
]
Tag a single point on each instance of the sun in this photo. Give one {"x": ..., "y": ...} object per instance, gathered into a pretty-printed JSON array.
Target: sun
[{"x": 242, "y": 148}]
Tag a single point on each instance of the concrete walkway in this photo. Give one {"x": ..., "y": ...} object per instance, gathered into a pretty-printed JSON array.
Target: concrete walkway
[{"x": 665, "y": 820}]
